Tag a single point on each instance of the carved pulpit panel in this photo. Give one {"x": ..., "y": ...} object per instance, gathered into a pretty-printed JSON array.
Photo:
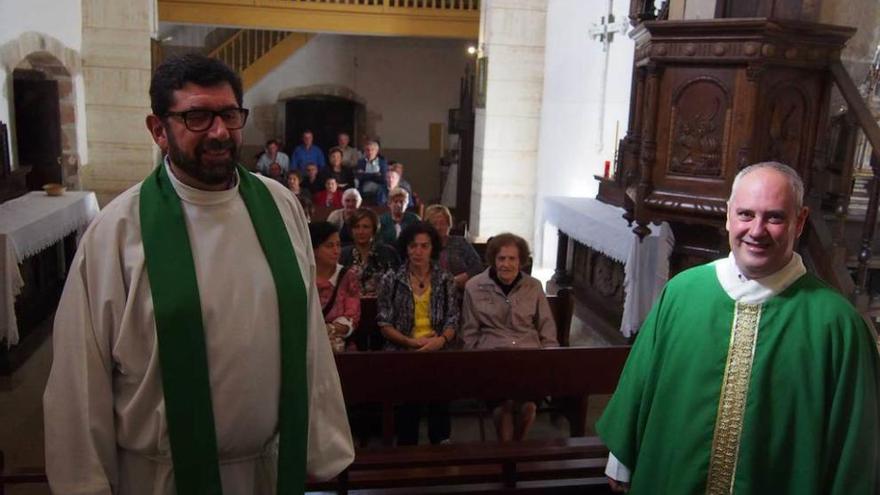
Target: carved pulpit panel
[{"x": 713, "y": 96}]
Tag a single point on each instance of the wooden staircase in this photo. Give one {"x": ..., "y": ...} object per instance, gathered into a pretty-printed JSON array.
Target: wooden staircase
[{"x": 253, "y": 53}]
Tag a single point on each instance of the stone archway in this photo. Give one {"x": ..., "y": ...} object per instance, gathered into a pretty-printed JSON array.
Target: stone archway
[{"x": 41, "y": 55}]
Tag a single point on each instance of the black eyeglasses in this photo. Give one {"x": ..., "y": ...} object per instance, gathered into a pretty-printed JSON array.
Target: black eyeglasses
[{"x": 199, "y": 120}]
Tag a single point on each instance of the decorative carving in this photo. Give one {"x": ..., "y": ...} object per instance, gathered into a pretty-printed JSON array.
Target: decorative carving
[
  {"x": 751, "y": 49},
  {"x": 788, "y": 113},
  {"x": 688, "y": 204},
  {"x": 754, "y": 72},
  {"x": 607, "y": 277},
  {"x": 719, "y": 49},
  {"x": 742, "y": 157},
  {"x": 690, "y": 49},
  {"x": 699, "y": 111},
  {"x": 768, "y": 50},
  {"x": 791, "y": 53}
]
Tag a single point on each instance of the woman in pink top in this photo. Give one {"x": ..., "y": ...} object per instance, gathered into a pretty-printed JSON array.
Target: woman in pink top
[{"x": 338, "y": 287}]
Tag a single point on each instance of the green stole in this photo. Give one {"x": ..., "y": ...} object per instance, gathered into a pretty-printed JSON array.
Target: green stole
[{"x": 181, "y": 336}]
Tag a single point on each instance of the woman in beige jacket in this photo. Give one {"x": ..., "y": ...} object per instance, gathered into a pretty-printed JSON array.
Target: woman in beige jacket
[{"x": 505, "y": 308}]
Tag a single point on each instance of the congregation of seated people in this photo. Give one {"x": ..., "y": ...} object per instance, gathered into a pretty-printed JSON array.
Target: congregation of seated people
[{"x": 430, "y": 289}]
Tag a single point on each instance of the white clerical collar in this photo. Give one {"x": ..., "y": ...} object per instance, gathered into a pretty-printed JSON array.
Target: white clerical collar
[
  {"x": 200, "y": 196},
  {"x": 759, "y": 290}
]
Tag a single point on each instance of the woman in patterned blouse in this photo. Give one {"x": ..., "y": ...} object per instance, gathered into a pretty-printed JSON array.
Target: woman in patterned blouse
[
  {"x": 418, "y": 311},
  {"x": 367, "y": 256},
  {"x": 457, "y": 256}
]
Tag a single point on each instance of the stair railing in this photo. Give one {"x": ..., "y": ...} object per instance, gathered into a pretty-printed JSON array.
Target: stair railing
[
  {"x": 868, "y": 125},
  {"x": 247, "y": 46}
]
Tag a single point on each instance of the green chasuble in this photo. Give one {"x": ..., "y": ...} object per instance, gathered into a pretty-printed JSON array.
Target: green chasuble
[{"x": 720, "y": 397}]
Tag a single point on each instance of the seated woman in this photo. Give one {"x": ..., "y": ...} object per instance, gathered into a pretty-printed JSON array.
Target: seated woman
[
  {"x": 330, "y": 196},
  {"x": 368, "y": 257},
  {"x": 351, "y": 201},
  {"x": 338, "y": 286},
  {"x": 344, "y": 175},
  {"x": 418, "y": 311},
  {"x": 294, "y": 184},
  {"x": 457, "y": 256},
  {"x": 397, "y": 218},
  {"x": 505, "y": 308}
]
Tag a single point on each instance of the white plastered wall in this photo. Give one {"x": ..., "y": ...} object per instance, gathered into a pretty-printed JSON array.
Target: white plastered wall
[
  {"x": 570, "y": 151},
  {"x": 59, "y": 21}
]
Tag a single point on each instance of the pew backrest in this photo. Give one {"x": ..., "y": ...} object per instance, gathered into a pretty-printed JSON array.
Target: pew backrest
[{"x": 370, "y": 377}]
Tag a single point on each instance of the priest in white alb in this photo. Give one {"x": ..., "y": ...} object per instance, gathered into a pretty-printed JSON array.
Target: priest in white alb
[{"x": 190, "y": 354}]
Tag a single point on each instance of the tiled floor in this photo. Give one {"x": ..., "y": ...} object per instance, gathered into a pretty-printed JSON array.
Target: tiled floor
[{"x": 21, "y": 416}]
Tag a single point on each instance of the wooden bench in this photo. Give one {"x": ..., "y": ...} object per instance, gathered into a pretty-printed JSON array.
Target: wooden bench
[
  {"x": 367, "y": 335},
  {"x": 19, "y": 476},
  {"x": 569, "y": 375}
]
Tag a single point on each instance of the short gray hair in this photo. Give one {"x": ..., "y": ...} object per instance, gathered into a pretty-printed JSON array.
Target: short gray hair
[
  {"x": 794, "y": 180},
  {"x": 348, "y": 193},
  {"x": 399, "y": 191}
]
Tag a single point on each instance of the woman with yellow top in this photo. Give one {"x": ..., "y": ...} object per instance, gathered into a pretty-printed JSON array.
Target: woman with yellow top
[{"x": 418, "y": 311}]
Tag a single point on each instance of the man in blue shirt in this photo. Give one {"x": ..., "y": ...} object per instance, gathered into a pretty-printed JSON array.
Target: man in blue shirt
[
  {"x": 307, "y": 153},
  {"x": 370, "y": 173}
]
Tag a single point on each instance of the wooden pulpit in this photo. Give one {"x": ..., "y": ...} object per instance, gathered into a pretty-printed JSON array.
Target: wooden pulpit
[{"x": 709, "y": 98}]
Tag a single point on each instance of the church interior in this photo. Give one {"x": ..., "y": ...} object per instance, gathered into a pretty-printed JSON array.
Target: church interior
[{"x": 606, "y": 133}]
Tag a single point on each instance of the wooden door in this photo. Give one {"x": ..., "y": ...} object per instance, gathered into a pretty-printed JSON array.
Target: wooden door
[
  {"x": 325, "y": 116},
  {"x": 38, "y": 127}
]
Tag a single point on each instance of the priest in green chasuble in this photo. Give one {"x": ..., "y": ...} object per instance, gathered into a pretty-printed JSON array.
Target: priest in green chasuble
[
  {"x": 749, "y": 375},
  {"x": 190, "y": 354}
]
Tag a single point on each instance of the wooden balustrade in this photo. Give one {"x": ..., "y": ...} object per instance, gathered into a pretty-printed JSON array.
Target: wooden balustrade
[
  {"x": 466, "y": 5},
  {"x": 245, "y": 47},
  {"x": 865, "y": 121}
]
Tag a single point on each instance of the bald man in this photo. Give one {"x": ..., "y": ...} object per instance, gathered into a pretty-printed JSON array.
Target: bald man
[{"x": 749, "y": 376}]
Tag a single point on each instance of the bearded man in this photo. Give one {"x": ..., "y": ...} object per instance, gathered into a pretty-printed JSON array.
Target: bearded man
[
  {"x": 190, "y": 351},
  {"x": 749, "y": 376}
]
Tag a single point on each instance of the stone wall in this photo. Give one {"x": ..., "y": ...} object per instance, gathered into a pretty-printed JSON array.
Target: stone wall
[
  {"x": 512, "y": 36},
  {"x": 116, "y": 70}
]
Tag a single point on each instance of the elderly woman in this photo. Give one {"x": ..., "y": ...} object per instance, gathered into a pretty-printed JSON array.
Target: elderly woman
[
  {"x": 338, "y": 286},
  {"x": 505, "y": 308},
  {"x": 351, "y": 201},
  {"x": 367, "y": 256},
  {"x": 418, "y": 311},
  {"x": 457, "y": 256},
  {"x": 397, "y": 218}
]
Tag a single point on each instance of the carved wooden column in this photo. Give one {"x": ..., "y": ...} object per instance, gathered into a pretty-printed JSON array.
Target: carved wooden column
[{"x": 648, "y": 149}]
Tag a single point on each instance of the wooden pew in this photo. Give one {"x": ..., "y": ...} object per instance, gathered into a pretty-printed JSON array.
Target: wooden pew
[
  {"x": 387, "y": 378},
  {"x": 20, "y": 476}
]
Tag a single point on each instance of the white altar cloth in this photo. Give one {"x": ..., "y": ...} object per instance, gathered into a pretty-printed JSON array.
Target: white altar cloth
[
  {"x": 602, "y": 227},
  {"x": 28, "y": 225}
]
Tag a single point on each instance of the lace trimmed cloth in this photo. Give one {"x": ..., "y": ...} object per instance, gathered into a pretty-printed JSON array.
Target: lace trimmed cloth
[
  {"x": 601, "y": 227},
  {"x": 28, "y": 225}
]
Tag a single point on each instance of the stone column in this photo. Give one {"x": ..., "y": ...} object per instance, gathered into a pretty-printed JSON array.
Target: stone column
[
  {"x": 512, "y": 36},
  {"x": 116, "y": 73}
]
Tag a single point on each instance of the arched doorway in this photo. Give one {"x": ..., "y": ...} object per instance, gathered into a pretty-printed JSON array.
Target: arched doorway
[
  {"x": 45, "y": 120},
  {"x": 325, "y": 109},
  {"x": 325, "y": 116}
]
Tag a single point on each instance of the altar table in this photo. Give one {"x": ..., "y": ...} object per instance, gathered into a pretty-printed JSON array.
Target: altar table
[
  {"x": 28, "y": 225},
  {"x": 602, "y": 227}
]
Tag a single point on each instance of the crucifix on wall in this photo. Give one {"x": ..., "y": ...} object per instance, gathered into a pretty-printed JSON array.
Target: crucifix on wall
[{"x": 604, "y": 32}]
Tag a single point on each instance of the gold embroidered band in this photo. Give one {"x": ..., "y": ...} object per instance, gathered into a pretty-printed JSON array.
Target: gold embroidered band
[{"x": 732, "y": 404}]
